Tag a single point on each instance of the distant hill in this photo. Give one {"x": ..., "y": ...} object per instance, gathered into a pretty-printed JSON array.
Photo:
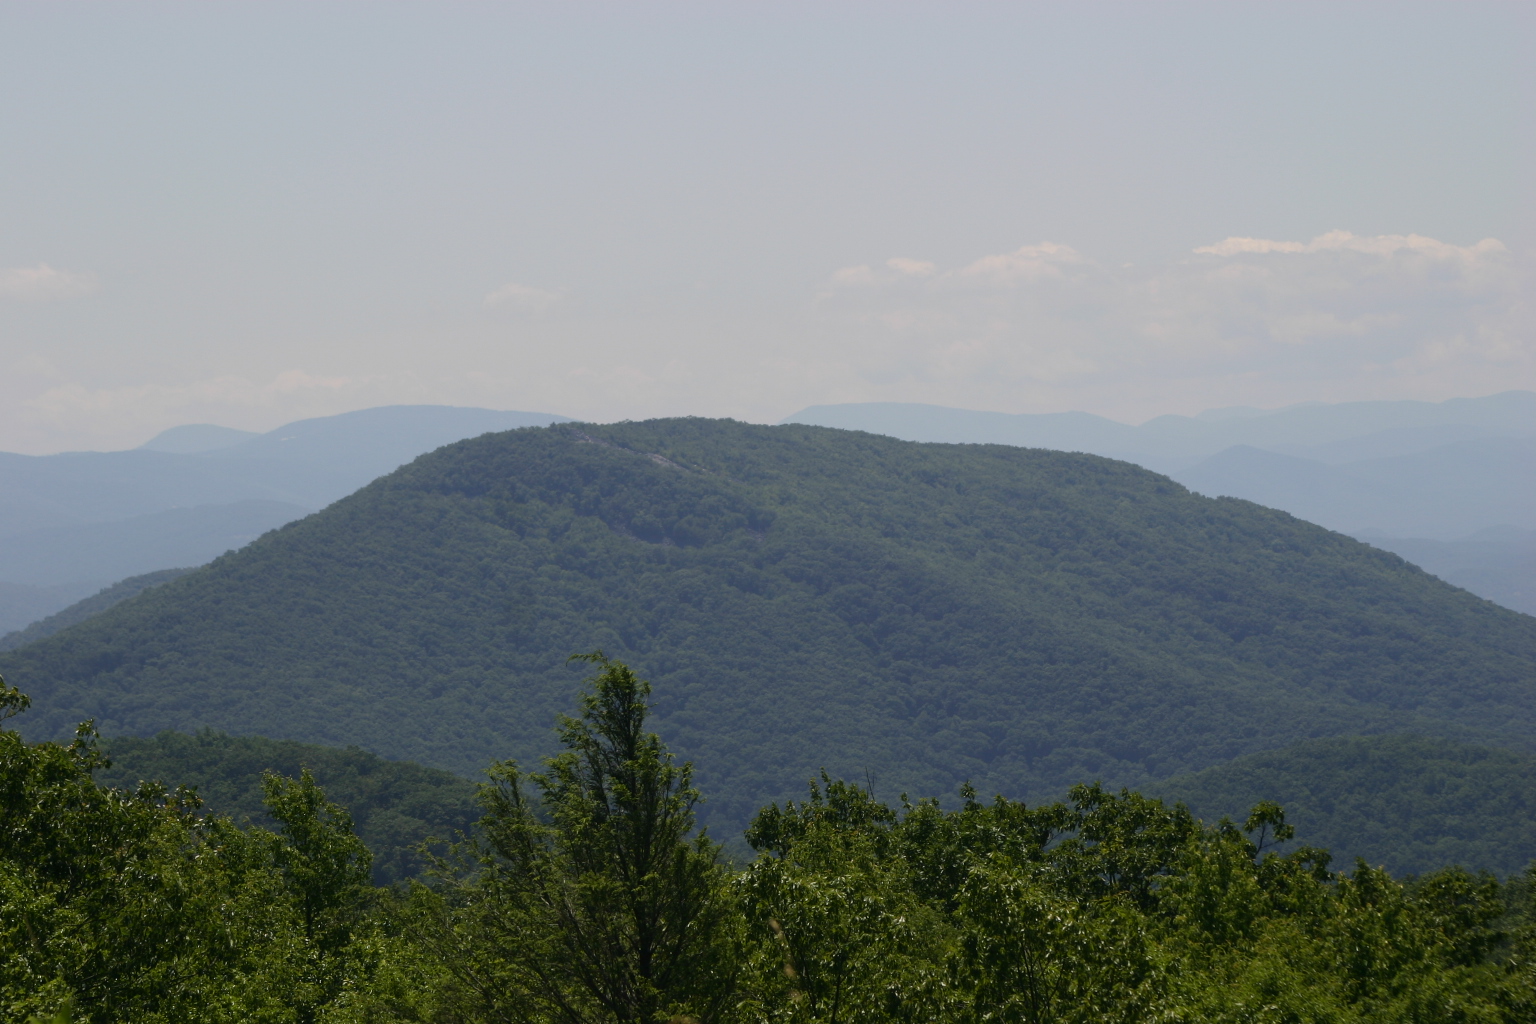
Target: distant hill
[
  {"x": 1444, "y": 493},
  {"x": 72, "y": 523},
  {"x": 801, "y": 597},
  {"x": 196, "y": 438},
  {"x": 395, "y": 805},
  {"x": 1411, "y": 803},
  {"x": 93, "y": 605},
  {"x": 130, "y": 547}
]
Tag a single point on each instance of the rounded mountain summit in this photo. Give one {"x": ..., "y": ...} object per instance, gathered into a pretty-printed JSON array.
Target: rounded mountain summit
[{"x": 914, "y": 615}]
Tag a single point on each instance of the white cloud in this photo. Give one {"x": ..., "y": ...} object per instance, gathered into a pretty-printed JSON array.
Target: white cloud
[
  {"x": 1244, "y": 320},
  {"x": 856, "y": 277},
  {"x": 43, "y": 283},
  {"x": 1237, "y": 246},
  {"x": 1025, "y": 265},
  {"x": 522, "y": 297},
  {"x": 911, "y": 268},
  {"x": 896, "y": 270},
  {"x": 1345, "y": 241}
]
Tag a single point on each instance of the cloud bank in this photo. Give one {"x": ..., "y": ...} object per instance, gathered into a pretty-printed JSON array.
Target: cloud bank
[
  {"x": 43, "y": 283},
  {"x": 1243, "y": 320},
  {"x": 51, "y": 404},
  {"x": 522, "y": 297},
  {"x": 1040, "y": 328}
]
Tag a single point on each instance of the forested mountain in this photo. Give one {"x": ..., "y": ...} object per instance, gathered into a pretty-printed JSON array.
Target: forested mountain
[
  {"x": 395, "y": 805},
  {"x": 914, "y": 615},
  {"x": 1461, "y": 472},
  {"x": 1410, "y": 803}
]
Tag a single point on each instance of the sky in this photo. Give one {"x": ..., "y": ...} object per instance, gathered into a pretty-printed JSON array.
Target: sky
[{"x": 246, "y": 214}]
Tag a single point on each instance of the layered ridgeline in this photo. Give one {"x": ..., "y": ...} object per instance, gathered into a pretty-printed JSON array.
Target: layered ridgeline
[{"x": 913, "y": 615}]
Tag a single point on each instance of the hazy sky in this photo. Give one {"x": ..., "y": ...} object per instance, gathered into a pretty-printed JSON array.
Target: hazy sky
[{"x": 249, "y": 213}]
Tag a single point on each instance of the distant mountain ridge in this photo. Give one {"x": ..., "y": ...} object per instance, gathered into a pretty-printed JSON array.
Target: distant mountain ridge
[
  {"x": 1445, "y": 492},
  {"x": 309, "y": 463},
  {"x": 1169, "y": 443},
  {"x": 196, "y": 438},
  {"x": 801, "y": 598},
  {"x": 118, "y": 549},
  {"x": 73, "y": 523}
]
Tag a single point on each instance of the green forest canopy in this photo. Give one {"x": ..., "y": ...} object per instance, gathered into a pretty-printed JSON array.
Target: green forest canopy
[
  {"x": 913, "y": 614},
  {"x": 587, "y": 897},
  {"x": 1410, "y": 804},
  {"x": 395, "y": 805}
]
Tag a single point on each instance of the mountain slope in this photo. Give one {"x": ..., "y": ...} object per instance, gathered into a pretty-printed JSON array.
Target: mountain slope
[
  {"x": 801, "y": 597},
  {"x": 1410, "y": 803},
  {"x": 1499, "y": 564},
  {"x": 97, "y": 603}
]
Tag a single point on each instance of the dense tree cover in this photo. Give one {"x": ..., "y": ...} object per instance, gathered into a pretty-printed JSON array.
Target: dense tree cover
[
  {"x": 588, "y": 896},
  {"x": 911, "y": 614},
  {"x": 395, "y": 805},
  {"x": 1408, "y": 803},
  {"x": 129, "y": 905}
]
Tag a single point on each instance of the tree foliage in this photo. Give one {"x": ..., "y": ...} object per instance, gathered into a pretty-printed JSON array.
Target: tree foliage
[
  {"x": 130, "y": 905},
  {"x": 593, "y": 902},
  {"x": 588, "y": 896},
  {"x": 396, "y": 806}
]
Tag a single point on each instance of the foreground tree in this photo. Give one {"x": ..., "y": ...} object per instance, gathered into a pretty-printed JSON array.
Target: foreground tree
[
  {"x": 120, "y": 905},
  {"x": 595, "y": 902}
]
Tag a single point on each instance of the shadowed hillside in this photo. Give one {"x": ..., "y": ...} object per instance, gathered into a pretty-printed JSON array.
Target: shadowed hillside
[
  {"x": 1411, "y": 803},
  {"x": 395, "y": 805}
]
